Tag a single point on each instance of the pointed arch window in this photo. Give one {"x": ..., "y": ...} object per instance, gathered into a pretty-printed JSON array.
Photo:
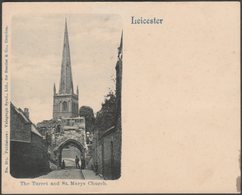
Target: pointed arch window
[{"x": 64, "y": 106}]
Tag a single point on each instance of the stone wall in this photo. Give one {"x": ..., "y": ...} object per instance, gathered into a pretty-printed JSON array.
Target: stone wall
[
  {"x": 71, "y": 134},
  {"x": 28, "y": 159},
  {"x": 107, "y": 155}
]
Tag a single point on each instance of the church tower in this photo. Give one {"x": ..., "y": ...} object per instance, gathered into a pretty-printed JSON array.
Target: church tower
[{"x": 65, "y": 101}]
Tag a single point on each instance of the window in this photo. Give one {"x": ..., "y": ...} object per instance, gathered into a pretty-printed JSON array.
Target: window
[{"x": 64, "y": 106}]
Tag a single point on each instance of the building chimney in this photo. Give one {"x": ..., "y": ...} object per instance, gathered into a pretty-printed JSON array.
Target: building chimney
[{"x": 26, "y": 112}]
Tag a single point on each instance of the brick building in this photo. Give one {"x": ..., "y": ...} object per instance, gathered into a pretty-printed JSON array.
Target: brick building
[
  {"x": 28, "y": 151},
  {"x": 107, "y": 143}
]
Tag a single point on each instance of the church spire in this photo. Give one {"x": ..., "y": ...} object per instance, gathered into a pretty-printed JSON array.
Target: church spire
[
  {"x": 66, "y": 84},
  {"x": 120, "y": 48}
]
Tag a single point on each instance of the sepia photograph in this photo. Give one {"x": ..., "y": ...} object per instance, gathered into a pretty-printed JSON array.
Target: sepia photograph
[
  {"x": 121, "y": 97},
  {"x": 66, "y": 96}
]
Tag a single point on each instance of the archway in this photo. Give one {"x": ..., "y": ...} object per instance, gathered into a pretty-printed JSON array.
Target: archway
[{"x": 61, "y": 154}]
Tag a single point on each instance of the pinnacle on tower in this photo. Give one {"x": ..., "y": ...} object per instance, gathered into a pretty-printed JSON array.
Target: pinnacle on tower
[
  {"x": 54, "y": 89},
  {"x": 66, "y": 84},
  {"x": 120, "y": 48},
  {"x": 77, "y": 90}
]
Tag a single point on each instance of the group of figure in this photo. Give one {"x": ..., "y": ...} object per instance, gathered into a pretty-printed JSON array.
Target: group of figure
[{"x": 63, "y": 165}]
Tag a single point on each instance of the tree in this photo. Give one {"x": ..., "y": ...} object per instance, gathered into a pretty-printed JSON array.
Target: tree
[
  {"x": 87, "y": 112},
  {"x": 48, "y": 138},
  {"x": 106, "y": 116}
]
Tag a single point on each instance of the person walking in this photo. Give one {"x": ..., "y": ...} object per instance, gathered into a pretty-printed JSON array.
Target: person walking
[
  {"x": 77, "y": 162},
  {"x": 63, "y": 166},
  {"x": 83, "y": 164}
]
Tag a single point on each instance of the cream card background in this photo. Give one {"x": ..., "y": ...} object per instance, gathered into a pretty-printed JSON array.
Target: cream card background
[{"x": 180, "y": 98}]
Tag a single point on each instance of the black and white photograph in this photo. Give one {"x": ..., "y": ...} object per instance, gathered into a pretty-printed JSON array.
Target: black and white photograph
[{"x": 66, "y": 96}]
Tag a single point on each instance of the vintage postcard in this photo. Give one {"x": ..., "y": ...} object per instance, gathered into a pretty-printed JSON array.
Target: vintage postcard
[{"x": 111, "y": 97}]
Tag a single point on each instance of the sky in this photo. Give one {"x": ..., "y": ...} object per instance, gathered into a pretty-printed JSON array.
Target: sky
[{"x": 36, "y": 54}]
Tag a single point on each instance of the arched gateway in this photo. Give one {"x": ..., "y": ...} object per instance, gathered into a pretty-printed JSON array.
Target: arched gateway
[
  {"x": 69, "y": 134},
  {"x": 73, "y": 142}
]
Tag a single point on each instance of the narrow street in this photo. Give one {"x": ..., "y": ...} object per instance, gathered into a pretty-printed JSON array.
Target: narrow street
[
  {"x": 68, "y": 173},
  {"x": 71, "y": 172}
]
